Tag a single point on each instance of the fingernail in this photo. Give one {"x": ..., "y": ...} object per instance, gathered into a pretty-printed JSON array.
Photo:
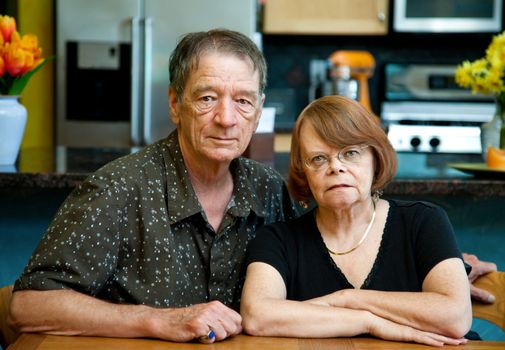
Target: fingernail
[{"x": 491, "y": 298}]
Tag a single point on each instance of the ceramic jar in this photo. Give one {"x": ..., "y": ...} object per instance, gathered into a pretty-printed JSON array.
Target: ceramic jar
[
  {"x": 12, "y": 128},
  {"x": 492, "y": 133}
]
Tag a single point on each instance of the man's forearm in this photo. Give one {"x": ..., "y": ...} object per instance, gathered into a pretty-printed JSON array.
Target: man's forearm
[{"x": 66, "y": 312}]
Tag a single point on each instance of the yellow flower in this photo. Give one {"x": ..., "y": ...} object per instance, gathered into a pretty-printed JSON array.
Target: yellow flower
[
  {"x": 485, "y": 75},
  {"x": 463, "y": 74},
  {"x": 495, "y": 53}
]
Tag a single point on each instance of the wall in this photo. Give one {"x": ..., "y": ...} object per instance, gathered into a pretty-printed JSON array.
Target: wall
[{"x": 36, "y": 16}]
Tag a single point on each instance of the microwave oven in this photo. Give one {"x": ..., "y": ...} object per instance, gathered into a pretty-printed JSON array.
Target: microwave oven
[{"x": 448, "y": 16}]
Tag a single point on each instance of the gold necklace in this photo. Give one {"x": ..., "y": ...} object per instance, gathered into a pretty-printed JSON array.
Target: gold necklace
[{"x": 361, "y": 240}]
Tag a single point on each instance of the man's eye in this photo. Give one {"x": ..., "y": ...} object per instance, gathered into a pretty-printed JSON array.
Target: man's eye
[
  {"x": 245, "y": 105},
  {"x": 206, "y": 99}
]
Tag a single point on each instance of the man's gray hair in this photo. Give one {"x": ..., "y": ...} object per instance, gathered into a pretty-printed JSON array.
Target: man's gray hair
[{"x": 193, "y": 46}]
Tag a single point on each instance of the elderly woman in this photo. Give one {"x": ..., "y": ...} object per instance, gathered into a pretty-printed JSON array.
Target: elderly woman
[{"x": 355, "y": 264}]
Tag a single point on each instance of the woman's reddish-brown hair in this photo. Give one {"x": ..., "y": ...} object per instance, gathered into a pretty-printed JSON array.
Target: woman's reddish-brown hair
[{"x": 341, "y": 121}]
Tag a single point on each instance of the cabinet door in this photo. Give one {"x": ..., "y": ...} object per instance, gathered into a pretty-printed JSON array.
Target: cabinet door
[{"x": 327, "y": 17}]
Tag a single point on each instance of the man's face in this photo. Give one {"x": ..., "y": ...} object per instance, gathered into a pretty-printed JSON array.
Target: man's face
[{"x": 219, "y": 109}]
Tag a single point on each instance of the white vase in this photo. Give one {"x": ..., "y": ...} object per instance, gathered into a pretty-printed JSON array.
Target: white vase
[
  {"x": 490, "y": 132},
  {"x": 12, "y": 128}
]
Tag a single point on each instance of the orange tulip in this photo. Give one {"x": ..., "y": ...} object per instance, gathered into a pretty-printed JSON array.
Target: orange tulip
[
  {"x": 18, "y": 61},
  {"x": 2, "y": 66},
  {"x": 29, "y": 42},
  {"x": 22, "y": 54},
  {"x": 20, "y": 57},
  {"x": 7, "y": 27}
]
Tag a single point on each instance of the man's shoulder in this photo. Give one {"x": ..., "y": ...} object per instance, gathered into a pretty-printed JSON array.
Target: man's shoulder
[
  {"x": 259, "y": 172},
  {"x": 143, "y": 164}
]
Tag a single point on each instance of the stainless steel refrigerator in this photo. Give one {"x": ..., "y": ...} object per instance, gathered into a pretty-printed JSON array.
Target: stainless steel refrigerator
[{"x": 112, "y": 64}]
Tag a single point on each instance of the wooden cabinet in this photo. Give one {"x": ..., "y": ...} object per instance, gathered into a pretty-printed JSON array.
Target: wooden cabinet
[{"x": 326, "y": 17}]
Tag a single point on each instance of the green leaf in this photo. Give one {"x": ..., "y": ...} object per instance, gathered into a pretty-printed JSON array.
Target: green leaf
[{"x": 18, "y": 84}]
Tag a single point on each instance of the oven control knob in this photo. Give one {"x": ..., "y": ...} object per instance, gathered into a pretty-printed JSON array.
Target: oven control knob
[
  {"x": 415, "y": 141},
  {"x": 435, "y": 142}
]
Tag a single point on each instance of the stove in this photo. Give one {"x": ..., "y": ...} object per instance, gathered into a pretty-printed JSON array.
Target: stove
[{"x": 425, "y": 111}]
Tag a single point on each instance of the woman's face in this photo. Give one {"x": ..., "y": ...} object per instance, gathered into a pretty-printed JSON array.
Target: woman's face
[{"x": 344, "y": 180}]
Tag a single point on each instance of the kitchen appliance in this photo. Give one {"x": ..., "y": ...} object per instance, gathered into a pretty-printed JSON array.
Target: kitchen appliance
[
  {"x": 350, "y": 72},
  {"x": 448, "y": 16},
  {"x": 112, "y": 63},
  {"x": 425, "y": 111}
]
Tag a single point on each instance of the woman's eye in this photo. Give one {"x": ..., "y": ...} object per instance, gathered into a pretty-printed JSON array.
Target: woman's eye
[
  {"x": 319, "y": 159},
  {"x": 352, "y": 153}
]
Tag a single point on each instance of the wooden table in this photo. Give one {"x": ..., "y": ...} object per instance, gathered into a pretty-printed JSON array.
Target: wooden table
[{"x": 242, "y": 342}]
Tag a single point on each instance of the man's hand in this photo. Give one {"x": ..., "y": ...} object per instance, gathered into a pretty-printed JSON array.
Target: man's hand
[
  {"x": 196, "y": 321},
  {"x": 479, "y": 268}
]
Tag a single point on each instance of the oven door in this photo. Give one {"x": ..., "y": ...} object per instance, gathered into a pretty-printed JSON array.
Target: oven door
[{"x": 448, "y": 16}]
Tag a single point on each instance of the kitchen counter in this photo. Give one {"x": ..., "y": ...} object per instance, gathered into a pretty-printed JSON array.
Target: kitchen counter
[{"x": 418, "y": 173}]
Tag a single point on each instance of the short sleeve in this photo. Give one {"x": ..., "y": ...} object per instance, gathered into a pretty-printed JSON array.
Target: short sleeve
[
  {"x": 435, "y": 240},
  {"x": 269, "y": 247},
  {"x": 79, "y": 249}
]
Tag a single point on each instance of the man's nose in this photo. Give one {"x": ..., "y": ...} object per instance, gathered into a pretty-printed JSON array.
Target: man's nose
[{"x": 225, "y": 113}]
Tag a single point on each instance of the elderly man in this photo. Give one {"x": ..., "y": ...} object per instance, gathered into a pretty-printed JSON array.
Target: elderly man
[{"x": 152, "y": 244}]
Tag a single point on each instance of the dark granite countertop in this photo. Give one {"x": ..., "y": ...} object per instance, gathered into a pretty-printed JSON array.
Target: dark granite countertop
[{"x": 418, "y": 174}]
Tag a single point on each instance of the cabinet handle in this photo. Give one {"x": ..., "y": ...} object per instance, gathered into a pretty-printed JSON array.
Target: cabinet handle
[
  {"x": 135, "y": 132},
  {"x": 148, "y": 52},
  {"x": 381, "y": 16}
]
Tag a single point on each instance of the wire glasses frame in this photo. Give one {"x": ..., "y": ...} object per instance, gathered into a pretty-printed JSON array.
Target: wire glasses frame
[{"x": 347, "y": 155}]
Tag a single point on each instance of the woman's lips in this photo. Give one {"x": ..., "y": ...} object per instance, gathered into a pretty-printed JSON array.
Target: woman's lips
[{"x": 338, "y": 186}]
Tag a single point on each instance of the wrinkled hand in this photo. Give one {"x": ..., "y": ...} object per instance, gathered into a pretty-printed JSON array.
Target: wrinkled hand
[
  {"x": 194, "y": 322},
  {"x": 388, "y": 330},
  {"x": 479, "y": 268}
]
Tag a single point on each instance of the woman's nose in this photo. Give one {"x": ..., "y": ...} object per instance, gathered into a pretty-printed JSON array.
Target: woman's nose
[{"x": 335, "y": 164}]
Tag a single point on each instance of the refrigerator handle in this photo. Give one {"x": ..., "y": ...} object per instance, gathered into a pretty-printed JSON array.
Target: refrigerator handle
[
  {"x": 148, "y": 52},
  {"x": 135, "y": 125}
]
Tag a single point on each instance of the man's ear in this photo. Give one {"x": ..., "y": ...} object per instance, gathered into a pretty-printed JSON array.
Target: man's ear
[{"x": 173, "y": 106}]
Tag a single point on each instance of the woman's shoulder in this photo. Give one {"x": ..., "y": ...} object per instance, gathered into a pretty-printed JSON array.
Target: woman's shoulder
[
  {"x": 293, "y": 228},
  {"x": 413, "y": 206},
  {"x": 415, "y": 212}
]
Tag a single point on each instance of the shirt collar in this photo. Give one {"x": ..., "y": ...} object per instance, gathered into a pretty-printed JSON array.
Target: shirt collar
[{"x": 181, "y": 197}]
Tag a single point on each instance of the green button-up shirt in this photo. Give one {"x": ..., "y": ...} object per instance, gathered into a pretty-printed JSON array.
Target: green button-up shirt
[{"x": 135, "y": 232}]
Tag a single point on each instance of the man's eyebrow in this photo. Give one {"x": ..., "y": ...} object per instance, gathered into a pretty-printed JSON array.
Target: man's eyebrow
[
  {"x": 252, "y": 94},
  {"x": 199, "y": 89}
]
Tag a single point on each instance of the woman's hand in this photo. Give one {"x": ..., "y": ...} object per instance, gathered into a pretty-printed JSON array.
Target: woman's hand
[{"x": 388, "y": 330}]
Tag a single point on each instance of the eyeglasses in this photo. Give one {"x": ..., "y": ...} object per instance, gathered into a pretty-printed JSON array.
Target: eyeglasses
[{"x": 347, "y": 155}]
